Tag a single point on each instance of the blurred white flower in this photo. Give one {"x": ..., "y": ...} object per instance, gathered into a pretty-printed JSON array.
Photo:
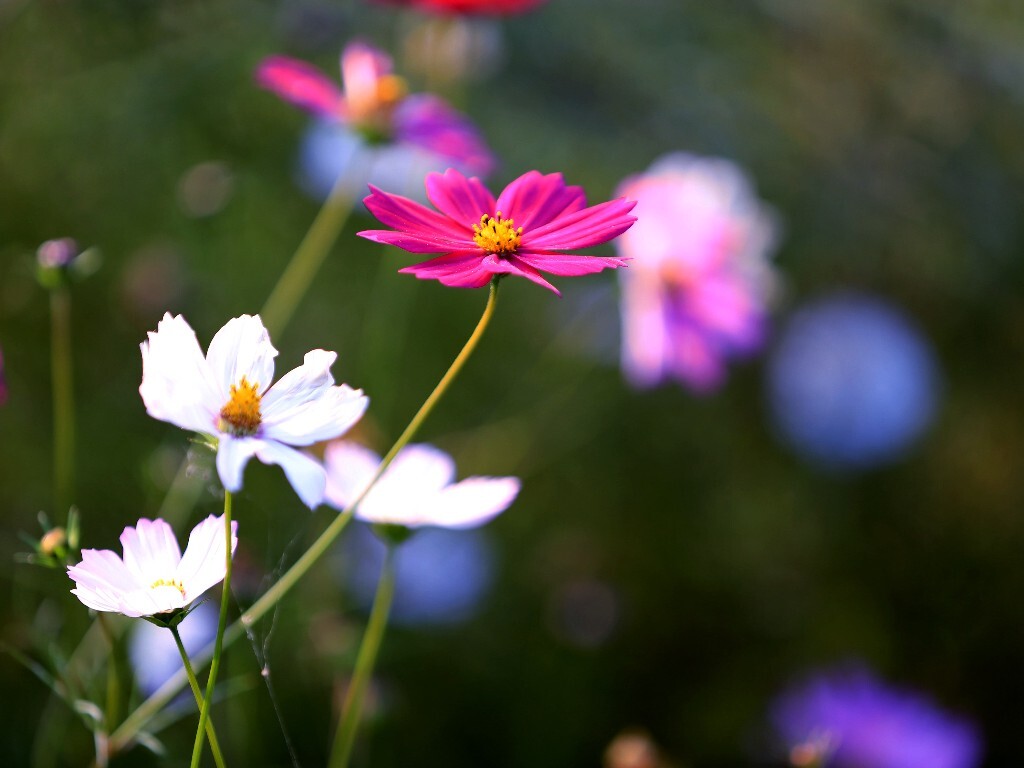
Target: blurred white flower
[
  {"x": 416, "y": 489},
  {"x": 154, "y": 577},
  {"x": 227, "y": 395}
]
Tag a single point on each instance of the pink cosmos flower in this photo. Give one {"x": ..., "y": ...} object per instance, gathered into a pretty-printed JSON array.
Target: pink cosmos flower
[
  {"x": 698, "y": 293},
  {"x": 495, "y": 7},
  {"x": 373, "y": 101},
  {"x": 154, "y": 576},
  {"x": 520, "y": 233}
]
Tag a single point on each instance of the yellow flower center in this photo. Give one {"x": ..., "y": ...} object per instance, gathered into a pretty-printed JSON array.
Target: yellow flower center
[
  {"x": 169, "y": 583},
  {"x": 241, "y": 415},
  {"x": 497, "y": 235}
]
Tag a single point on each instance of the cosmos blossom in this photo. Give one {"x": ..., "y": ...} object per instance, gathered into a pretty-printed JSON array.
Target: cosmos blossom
[
  {"x": 153, "y": 576},
  {"x": 227, "y": 394},
  {"x": 697, "y": 295},
  {"x": 488, "y": 7},
  {"x": 522, "y": 232},
  {"x": 415, "y": 490},
  {"x": 374, "y": 102},
  {"x": 848, "y": 718}
]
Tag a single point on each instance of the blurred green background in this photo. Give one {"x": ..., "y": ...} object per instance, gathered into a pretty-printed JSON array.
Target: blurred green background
[{"x": 887, "y": 136}]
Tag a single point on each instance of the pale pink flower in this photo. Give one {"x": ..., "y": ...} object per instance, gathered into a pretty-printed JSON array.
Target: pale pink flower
[
  {"x": 521, "y": 233},
  {"x": 488, "y": 7},
  {"x": 228, "y": 395},
  {"x": 374, "y": 102},
  {"x": 415, "y": 490},
  {"x": 698, "y": 289},
  {"x": 153, "y": 576}
]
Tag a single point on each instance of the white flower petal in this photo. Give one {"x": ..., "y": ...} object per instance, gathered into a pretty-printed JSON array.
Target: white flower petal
[
  {"x": 300, "y": 385},
  {"x": 177, "y": 385},
  {"x": 150, "y": 550},
  {"x": 204, "y": 563},
  {"x": 472, "y": 502},
  {"x": 350, "y": 467},
  {"x": 421, "y": 467},
  {"x": 232, "y": 455},
  {"x": 304, "y": 473},
  {"x": 241, "y": 348},
  {"x": 329, "y": 415}
]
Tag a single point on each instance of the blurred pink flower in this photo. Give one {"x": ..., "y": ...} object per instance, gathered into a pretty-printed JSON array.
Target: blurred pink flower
[
  {"x": 415, "y": 490},
  {"x": 374, "y": 102},
  {"x": 479, "y": 237},
  {"x": 494, "y": 7},
  {"x": 153, "y": 577},
  {"x": 697, "y": 292}
]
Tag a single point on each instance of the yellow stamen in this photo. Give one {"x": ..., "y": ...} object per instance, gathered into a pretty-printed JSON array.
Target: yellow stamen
[
  {"x": 497, "y": 235},
  {"x": 241, "y": 415},
  {"x": 169, "y": 583}
]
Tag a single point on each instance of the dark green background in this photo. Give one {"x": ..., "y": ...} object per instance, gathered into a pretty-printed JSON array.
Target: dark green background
[{"x": 889, "y": 137}]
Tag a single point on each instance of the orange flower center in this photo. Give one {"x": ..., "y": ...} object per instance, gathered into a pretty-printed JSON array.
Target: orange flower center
[
  {"x": 241, "y": 415},
  {"x": 497, "y": 235}
]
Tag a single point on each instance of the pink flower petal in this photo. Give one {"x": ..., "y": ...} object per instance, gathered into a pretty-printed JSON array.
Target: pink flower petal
[
  {"x": 301, "y": 84},
  {"x": 534, "y": 199},
  {"x": 414, "y": 219},
  {"x": 582, "y": 229},
  {"x": 464, "y": 200},
  {"x": 569, "y": 265},
  {"x": 459, "y": 270}
]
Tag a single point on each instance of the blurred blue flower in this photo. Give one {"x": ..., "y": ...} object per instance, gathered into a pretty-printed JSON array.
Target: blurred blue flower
[
  {"x": 331, "y": 150},
  {"x": 851, "y": 383},
  {"x": 153, "y": 653},
  {"x": 441, "y": 575},
  {"x": 848, "y": 718}
]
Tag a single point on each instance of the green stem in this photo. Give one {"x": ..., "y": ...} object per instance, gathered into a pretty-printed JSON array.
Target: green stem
[
  {"x": 218, "y": 643},
  {"x": 305, "y": 263},
  {"x": 63, "y": 400},
  {"x": 218, "y": 757},
  {"x": 351, "y": 710},
  {"x": 138, "y": 719},
  {"x": 113, "y": 684}
]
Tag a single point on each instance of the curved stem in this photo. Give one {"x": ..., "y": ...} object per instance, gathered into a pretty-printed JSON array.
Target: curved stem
[
  {"x": 352, "y": 709},
  {"x": 218, "y": 643},
  {"x": 308, "y": 257},
  {"x": 218, "y": 757},
  {"x": 135, "y": 722},
  {"x": 63, "y": 400}
]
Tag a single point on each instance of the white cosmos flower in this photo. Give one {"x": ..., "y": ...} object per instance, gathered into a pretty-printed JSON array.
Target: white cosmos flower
[
  {"x": 154, "y": 577},
  {"x": 416, "y": 489},
  {"x": 228, "y": 394}
]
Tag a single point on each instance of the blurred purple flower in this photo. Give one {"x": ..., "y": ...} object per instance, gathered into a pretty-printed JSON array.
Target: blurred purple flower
[
  {"x": 57, "y": 254},
  {"x": 374, "y": 104},
  {"x": 848, "y": 718},
  {"x": 696, "y": 291},
  {"x": 153, "y": 653}
]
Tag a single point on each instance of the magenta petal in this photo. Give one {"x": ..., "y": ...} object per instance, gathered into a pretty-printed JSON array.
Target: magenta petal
[
  {"x": 428, "y": 122},
  {"x": 461, "y": 270},
  {"x": 513, "y": 265},
  {"x": 534, "y": 199},
  {"x": 464, "y": 200},
  {"x": 301, "y": 84},
  {"x": 569, "y": 265},
  {"x": 582, "y": 229},
  {"x": 416, "y": 220}
]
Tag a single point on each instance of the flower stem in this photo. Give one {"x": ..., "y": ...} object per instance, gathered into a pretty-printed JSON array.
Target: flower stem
[
  {"x": 218, "y": 643},
  {"x": 63, "y": 400},
  {"x": 352, "y": 708},
  {"x": 137, "y": 720},
  {"x": 305, "y": 263},
  {"x": 218, "y": 757},
  {"x": 113, "y": 684}
]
